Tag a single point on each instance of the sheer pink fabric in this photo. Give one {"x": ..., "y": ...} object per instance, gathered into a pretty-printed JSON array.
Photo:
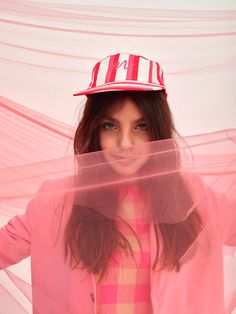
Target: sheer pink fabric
[
  {"x": 175, "y": 177},
  {"x": 46, "y": 52}
]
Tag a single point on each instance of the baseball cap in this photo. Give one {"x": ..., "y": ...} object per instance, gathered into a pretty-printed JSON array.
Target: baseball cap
[{"x": 124, "y": 71}]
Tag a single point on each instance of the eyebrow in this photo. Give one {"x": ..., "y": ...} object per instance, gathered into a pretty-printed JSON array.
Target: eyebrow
[{"x": 140, "y": 120}]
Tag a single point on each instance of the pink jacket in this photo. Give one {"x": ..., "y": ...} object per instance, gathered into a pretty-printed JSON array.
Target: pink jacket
[{"x": 196, "y": 289}]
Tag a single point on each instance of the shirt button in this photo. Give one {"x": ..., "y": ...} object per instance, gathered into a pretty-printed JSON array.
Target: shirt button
[{"x": 92, "y": 296}]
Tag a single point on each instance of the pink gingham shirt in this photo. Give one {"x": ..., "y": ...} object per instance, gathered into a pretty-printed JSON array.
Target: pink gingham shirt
[{"x": 126, "y": 287}]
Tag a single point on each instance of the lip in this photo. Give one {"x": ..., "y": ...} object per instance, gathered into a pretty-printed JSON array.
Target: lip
[
  {"x": 117, "y": 157},
  {"x": 124, "y": 160}
]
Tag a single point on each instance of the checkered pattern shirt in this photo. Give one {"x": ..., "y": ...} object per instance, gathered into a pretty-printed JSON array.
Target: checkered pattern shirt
[{"x": 126, "y": 287}]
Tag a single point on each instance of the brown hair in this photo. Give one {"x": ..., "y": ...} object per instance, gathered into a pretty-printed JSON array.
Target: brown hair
[{"x": 100, "y": 236}]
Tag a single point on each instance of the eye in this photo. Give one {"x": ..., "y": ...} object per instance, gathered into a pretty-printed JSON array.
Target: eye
[
  {"x": 142, "y": 126},
  {"x": 108, "y": 125}
]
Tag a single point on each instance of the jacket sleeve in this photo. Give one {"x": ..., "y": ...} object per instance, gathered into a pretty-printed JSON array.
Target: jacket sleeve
[
  {"x": 15, "y": 236},
  {"x": 225, "y": 205},
  {"x": 221, "y": 207}
]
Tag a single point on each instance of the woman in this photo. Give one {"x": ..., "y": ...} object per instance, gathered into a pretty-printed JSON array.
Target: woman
[{"x": 137, "y": 235}]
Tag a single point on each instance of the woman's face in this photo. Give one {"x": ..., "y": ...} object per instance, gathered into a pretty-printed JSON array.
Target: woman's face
[{"x": 121, "y": 128}]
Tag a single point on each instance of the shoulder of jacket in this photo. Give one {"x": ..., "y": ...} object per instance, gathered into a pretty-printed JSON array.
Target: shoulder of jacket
[{"x": 53, "y": 191}]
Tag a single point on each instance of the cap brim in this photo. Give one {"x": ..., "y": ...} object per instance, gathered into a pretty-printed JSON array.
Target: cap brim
[{"x": 119, "y": 86}]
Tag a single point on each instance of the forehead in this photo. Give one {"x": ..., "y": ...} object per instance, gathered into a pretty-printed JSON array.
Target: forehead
[{"x": 126, "y": 107}]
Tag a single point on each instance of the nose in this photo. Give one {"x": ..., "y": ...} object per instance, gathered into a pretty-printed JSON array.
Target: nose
[{"x": 125, "y": 139}]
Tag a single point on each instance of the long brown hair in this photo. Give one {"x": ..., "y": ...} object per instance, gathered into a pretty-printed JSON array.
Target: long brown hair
[{"x": 90, "y": 237}]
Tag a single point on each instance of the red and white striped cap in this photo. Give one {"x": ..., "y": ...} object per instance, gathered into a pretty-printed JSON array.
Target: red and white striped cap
[{"x": 124, "y": 71}]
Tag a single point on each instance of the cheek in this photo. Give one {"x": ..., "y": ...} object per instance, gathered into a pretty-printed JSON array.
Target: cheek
[
  {"x": 143, "y": 137},
  {"x": 106, "y": 140}
]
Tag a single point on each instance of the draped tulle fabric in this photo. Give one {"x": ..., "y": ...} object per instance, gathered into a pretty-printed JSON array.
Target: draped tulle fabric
[
  {"x": 48, "y": 50},
  {"x": 174, "y": 179},
  {"x": 47, "y": 53}
]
